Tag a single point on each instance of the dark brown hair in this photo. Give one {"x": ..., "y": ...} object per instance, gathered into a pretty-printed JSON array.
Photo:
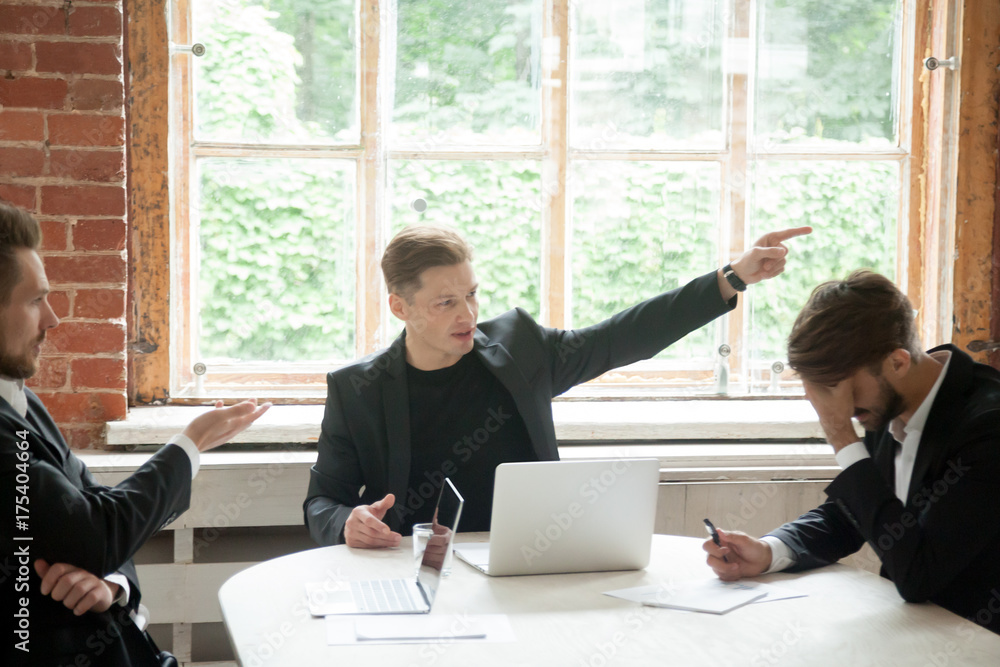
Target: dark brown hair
[
  {"x": 849, "y": 325},
  {"x": 18, "y": 229},
  {"x": 416, "y": 249}
]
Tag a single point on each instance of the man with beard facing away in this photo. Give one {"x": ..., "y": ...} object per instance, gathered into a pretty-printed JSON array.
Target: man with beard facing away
[{"x": 70, "y": 585}]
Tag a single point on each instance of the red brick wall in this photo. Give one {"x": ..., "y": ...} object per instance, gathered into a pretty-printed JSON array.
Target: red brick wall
[{"x": 62, "y": 156}]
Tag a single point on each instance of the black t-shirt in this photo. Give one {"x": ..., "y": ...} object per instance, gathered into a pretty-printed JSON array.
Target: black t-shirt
[{"x": 463, "y": 424}]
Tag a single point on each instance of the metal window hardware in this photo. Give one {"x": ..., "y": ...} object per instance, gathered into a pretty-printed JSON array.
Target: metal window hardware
[
  {"x": 933, "y": 63},
  {"x": 983, "y": 345},
  {"x": 199, "y": 369},
  {"x": 777, "y": 368},
  {"x": 722, "y": 371},
  {"x": 196, "y": 49}
]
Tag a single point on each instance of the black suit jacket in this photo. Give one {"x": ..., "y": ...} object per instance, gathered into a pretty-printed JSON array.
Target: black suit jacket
[
  {"x": 364, "y": 445},
  {"x": 943, "y": 545},
  {"x": 73, "y": 519}
]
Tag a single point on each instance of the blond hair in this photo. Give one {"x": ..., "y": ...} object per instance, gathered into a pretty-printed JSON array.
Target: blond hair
[{"x": 416, "y": 249}]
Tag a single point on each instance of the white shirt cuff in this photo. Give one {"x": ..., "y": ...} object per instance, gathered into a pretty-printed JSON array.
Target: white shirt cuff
[
  {"x": 851, "y": 454},
  {"x": 782, "y": 556},
  {"x": 140, "y": 616},
  {"x": 124, "y": 591},
  {"x": 187, "y": 444}
]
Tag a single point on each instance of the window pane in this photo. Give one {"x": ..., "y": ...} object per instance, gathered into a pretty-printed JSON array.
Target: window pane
[
  {"x": 641, "y": 228},
  {"x": 647, "y": 73},
  {"x": 276, "y": 71},
  {"x": 277, "y": 277},
  {"x": 852, "y": 207},
  {"x": 828, "y": 72},
  {"x": 467, "y": 72},
  {"x": 496, "y": 206}
]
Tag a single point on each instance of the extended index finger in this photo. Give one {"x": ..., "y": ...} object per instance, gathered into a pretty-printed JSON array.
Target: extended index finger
[{"x": 782, "y": 235}]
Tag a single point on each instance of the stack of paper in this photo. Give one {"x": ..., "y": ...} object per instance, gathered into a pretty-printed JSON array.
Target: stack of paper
[{"x": 712, "y": 596}]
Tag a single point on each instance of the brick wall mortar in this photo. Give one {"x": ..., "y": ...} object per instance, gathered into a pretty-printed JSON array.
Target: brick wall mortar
[{"x": 62, "y": 122}]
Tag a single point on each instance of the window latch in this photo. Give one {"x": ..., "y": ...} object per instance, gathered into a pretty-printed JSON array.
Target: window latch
[
  {"x": 196, "y": 49},
  {"x": 983, "y": 345},
  {"x": 933, "y": 63}
]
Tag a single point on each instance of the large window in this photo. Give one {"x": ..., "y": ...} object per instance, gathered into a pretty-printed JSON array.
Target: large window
[{"x": 594, "y": 153}]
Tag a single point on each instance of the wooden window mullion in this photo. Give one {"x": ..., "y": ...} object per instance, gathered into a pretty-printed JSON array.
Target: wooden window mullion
[{"x": 555, "y": 129}]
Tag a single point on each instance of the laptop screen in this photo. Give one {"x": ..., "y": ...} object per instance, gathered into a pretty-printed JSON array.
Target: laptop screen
[{"x": 444, "y": 526}]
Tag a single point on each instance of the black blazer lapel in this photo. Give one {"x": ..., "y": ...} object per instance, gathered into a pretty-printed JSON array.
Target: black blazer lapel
[
  {"x": 933, "y": 448},
  {"x": 396, "y": 404},
  {"x": 497, "y": 359},
  {"x": 53, "y": 447}
]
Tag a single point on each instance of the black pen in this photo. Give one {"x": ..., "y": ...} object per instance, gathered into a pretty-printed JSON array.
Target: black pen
[{"x": 715, "y": 536}]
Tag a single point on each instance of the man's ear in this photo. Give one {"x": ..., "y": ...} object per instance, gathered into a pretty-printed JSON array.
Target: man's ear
[
  {"x": 399, "y": 307},
  {"x": 898, "y": 363}
]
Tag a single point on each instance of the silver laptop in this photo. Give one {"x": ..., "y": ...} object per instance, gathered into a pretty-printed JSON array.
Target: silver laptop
[
  {"x": 395, "y": 596},
  {"x": 569, "y": 516}
]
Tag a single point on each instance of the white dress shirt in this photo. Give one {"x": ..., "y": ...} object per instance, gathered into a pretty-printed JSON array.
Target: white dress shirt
[
  {"x": 12, "y": 391},
  {"x": 907, "y": 437}
]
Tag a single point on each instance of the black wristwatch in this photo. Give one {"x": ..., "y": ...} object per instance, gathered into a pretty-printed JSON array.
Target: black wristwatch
[{"x": 733, "y": 279}]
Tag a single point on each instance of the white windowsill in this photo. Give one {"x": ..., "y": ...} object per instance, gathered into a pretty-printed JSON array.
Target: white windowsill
[
  {"x": 672, "y": 431},
  {"x": 575, "y": 421}
]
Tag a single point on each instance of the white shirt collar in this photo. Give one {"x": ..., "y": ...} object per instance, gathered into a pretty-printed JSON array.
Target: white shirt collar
[
  {"x": 12, "y": 391},
  {"x": 919, "y": 419}
]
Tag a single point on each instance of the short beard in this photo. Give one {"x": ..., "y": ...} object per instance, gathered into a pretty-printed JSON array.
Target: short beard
[
  {"x": 17, "y": 367},
  {"x": 893, "y": 402}
]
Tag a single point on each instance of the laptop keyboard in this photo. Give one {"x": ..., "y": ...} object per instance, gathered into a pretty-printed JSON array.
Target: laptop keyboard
[{"x": 382, "y": 595}]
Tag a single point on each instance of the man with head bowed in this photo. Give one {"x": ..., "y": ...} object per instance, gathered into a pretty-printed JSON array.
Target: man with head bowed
[{"x": 923, "y": 485}]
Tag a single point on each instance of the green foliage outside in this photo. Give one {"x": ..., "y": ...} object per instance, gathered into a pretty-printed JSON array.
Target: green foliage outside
[
  {"x": 497, "y": 208},
  {"x": 467, "y": 71},
  {"x": 641, "y": 228},
  {"x": 852, "y": 208},
  {"x": 845, "y": 93},
  {"x": 649, "y": 74},
  {"x": 280, "y": 70},
  {"x": 277, "y": 259},
  {"x": 277, "y": 237}
]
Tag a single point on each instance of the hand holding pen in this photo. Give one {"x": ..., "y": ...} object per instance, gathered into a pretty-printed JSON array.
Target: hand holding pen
[
  {"x": 734, "y": 555},
  {"x": 715, "y": 537}
]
